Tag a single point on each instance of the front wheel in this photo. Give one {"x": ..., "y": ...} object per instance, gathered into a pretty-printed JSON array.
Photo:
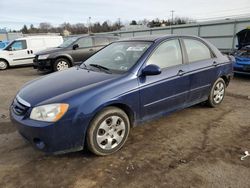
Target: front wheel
[
  {"x": 61, "y": 64},
  {"x": 108, "y": 131},
  {"x": 217, "y": 93},
  {"x": 3, "y": 65}
]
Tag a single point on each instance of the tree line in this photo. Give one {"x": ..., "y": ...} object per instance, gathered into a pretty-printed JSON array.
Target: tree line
[{"x": 106, "y": 26}]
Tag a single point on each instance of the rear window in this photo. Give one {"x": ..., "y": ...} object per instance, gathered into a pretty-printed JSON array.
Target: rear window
[{"x": 196, "y": 50}]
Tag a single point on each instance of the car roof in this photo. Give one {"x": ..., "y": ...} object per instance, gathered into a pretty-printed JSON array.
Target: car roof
[
  {"x": 153, "y": 38},
  {"x": 39, "y": 37},
  {"x": 94, "y": 35}
]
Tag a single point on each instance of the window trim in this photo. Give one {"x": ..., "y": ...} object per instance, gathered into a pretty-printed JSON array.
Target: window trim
[
  {"x": 196, "y": 39},
  {"x": 169, "y": 39}
]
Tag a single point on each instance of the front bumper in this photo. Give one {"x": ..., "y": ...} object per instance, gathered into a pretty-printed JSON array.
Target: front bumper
[
  {"x": 53, "y": 138},
  {"x": 241, "y": 69},
  {"x": 42, "y": 65}
]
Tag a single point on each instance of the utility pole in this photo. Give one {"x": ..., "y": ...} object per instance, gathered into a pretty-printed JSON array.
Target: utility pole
[
  {"x": 172, "y": 21},
  {"x": 172, "y": 15},
  {"x": 119, "y": 23},
  {"x": 89, "y": 28}
]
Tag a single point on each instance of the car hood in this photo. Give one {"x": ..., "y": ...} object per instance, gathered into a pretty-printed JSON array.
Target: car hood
[
  {"x": 243, "y": 38},
  {"x": 49, "y": 51},
  {"x": 60, "y": 83}
]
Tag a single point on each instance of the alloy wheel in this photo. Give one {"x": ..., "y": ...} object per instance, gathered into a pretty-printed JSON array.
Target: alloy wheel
[{"x": 219, "y": 91}]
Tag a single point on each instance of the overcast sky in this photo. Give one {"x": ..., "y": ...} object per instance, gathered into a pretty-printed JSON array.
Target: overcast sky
[{"x": 15, "y": 13}]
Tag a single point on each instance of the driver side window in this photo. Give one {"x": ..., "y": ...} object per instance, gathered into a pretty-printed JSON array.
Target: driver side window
[
  {"x": 167, "y": 54},
  {"x": 18, "y": 45}
]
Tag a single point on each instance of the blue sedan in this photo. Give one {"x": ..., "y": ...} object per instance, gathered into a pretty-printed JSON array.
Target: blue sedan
[{"x": 124, "y": 84}]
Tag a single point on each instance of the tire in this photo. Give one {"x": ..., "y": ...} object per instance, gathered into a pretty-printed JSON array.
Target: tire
[
  {"x": 61, "y": 64},
  {"x": 112, "y": 127},
  {"x": 217, "y": 93},
  {"x": 3, "y": 65}
]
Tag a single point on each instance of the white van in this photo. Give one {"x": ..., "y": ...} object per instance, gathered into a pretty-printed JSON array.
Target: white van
[{"x": 21, "y": 51}]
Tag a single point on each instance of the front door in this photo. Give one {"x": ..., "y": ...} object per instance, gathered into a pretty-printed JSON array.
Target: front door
[
  {"x": 19, "y": 54},
  {"x": 85, "y": 49},
  {"x": 167, "y": 91}
]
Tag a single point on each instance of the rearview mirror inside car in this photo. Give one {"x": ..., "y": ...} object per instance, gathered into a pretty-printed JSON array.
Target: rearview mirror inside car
[{"x": 151, "y": 70}]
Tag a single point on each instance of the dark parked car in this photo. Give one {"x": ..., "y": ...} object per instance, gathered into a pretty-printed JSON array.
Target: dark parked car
[
  {"x": 72, "y": 52},
  {"x": 122, "y": 85}
]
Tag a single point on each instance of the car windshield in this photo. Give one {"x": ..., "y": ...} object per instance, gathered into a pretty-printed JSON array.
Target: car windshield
[
  {"x": 118, "y": 57},
  {"x": 68, "y": 42}
]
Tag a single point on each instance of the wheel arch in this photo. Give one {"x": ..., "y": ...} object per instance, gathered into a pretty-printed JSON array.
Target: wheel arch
[
  {"x": 226, "y": 79},
  {"x": 131, "y": 115},
  {"x": 2, "y": 59},
  {"x": 127, "y": 110},
  {"x": 64, "y": 57}
]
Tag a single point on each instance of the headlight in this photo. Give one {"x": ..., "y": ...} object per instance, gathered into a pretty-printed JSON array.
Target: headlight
[
  {"x": 43, "y": 56},
  {"x": 49, "y": 113}
]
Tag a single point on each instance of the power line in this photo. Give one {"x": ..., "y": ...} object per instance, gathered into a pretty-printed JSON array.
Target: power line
[
  {"x": 224, "y": 17},
  {"x": 225, "y": 10}
]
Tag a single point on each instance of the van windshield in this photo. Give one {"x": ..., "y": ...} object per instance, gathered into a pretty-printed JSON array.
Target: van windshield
[{"x": 68, "y": 42}]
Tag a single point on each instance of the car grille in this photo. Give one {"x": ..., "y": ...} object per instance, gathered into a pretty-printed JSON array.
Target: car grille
[{"x": 19, "y": 108}]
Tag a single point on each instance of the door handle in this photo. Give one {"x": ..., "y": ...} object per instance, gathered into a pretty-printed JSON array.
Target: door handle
[
  {"x": 91, "y": 50},
  {"x": 215, "y": 63},
  {"x": 28, "y": 51},
  {"x": 181, "y": 73},
  {"x": 31, "y": 51}
]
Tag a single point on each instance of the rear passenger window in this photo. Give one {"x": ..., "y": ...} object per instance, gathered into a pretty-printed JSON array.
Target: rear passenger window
[
  {"x": 167, "y": 54},
  {"x": 100, "y": 41},
  {"x": 85, "y": 42},
  {"x": 196, "y": 50}
]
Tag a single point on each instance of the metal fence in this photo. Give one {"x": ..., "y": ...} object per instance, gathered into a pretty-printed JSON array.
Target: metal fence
[
  {"x": 10, "y": 36},
  {"x": 220, "y": 33}
]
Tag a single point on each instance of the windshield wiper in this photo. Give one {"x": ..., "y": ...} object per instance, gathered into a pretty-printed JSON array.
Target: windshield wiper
[
  {"x": 84, "y": 66},
  {"x": 101, "y": 67}
]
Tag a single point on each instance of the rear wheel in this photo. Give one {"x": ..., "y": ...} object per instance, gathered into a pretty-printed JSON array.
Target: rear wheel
[
  {"x": 61, "y": 64},
  {"x": 108, "y": 131},
  {"x": 3, "y": 65},
  {"x": 217, "y": 93}
]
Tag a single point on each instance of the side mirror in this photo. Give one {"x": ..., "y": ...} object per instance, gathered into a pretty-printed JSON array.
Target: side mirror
[
  {"x": 75, "y": 46},
  {"x": 151, "y": 70}
]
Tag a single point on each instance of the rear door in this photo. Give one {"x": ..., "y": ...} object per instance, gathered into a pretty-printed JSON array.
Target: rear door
[
  {"x": 84, "y": 51},
  {"x": 19, "y": 53},
  {"x": 167, "y": 91},
  {"x": 202, "y": 68}
]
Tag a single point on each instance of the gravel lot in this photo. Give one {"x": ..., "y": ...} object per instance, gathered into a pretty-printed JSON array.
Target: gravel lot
[{"x": 195, "y": 147}]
